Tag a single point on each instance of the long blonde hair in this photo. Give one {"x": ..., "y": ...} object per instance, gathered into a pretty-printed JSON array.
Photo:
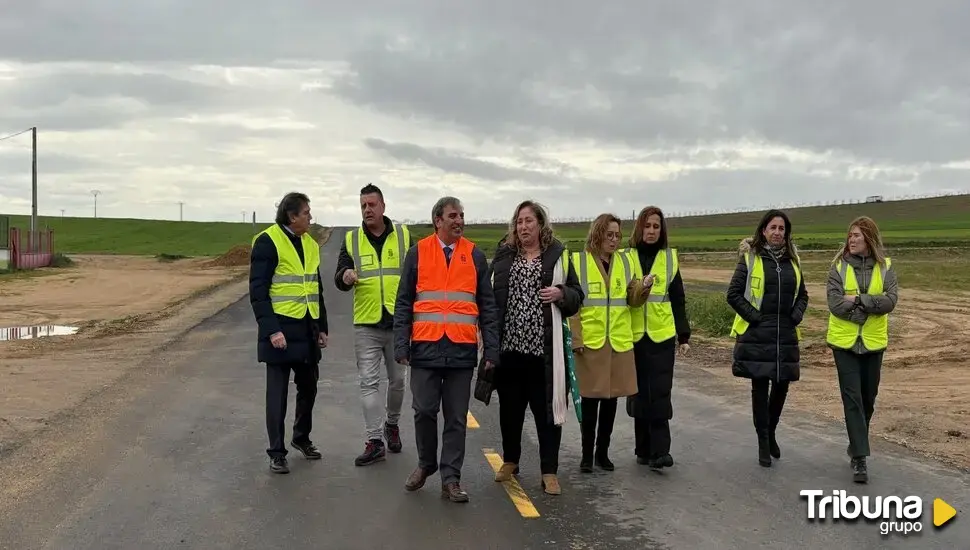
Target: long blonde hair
[
  {"x": 870, "y": 233},
  {"x": 545, "y": 226},
  {"x": 597, "y": 232}
]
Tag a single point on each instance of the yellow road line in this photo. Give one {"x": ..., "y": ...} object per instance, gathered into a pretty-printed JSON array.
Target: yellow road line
[
  {"x": 515, "y": 491},
  {"x": 472, "y": 423}
]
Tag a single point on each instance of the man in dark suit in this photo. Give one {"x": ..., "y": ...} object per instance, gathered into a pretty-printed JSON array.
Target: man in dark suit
[
  {"x": 287, "y": 300},
  {"x": 443, "y": 300}
]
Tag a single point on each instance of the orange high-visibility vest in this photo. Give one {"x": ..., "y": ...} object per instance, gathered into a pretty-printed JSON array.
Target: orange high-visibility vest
[{"x": 445, "y": 302}]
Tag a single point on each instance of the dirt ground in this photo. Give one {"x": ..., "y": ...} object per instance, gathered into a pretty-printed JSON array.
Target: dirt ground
[
  {"x": 924, "y": 394},
  {"x": 126, "y": 308}
]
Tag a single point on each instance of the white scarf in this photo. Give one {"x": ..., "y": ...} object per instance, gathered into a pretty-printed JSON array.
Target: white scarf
[{"x": 558, "y": 354}]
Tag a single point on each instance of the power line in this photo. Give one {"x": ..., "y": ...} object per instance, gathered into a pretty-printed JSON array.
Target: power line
[{"x": 17, "y": 134}]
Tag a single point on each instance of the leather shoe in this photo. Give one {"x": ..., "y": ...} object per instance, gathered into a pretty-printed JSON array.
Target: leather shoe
[
  {"x": 416, "y": 479},
  {"x": 452, "y": 491}
]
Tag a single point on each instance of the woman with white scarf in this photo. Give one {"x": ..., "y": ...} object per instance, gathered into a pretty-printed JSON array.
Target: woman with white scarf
[{"x": 534, "y": 292}]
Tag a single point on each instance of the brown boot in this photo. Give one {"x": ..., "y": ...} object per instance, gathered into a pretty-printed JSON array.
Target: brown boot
[
  {"x": 452, "y": 491},
  {"x": 550, "y": 484},
  {"x": 506, "y": 472},
  {"x": 416, "y": 479}
]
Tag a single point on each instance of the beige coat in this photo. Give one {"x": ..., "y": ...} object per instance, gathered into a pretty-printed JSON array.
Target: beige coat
[{"x": 603, "y": 372}]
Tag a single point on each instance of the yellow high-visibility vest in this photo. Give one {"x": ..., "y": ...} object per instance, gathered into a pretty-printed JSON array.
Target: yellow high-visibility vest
[
  {"x": 754, "y": 290},
  {"x": 875, "y": 331},
  {"x": 377, "y": 276},
  {"x": 295, "y": 289},
  {"x": 656, "y": 316},
  {"x": 605, "y": 313}
]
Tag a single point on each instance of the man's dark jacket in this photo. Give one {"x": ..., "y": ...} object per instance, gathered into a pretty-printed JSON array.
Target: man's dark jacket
[
  {"x": 444, "y": 353},
  {"x": 300, "y": 334}
]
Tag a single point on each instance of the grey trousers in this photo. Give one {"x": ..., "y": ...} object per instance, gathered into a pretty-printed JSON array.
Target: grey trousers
[
  {"x": 859, "y": 384},
  {"x": 373, "y": 347},
  {"x": 447, "y": 390}
]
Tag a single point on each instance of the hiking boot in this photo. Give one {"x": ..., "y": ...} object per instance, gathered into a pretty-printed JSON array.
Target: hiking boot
[
  {"x": 392, "y": 433},
  {"x": 309, "y": 450},
  {"x": 373, "y": 452},
  {"x": 278, "y": 465},
  {"x": 860, "y": 473}
]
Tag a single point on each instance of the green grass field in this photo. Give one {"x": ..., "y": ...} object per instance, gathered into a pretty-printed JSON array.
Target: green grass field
[{"x": 943, "y": 221}]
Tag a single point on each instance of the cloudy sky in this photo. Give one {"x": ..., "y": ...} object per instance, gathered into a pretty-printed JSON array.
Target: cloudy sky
[{"x": 227, "y": 105}]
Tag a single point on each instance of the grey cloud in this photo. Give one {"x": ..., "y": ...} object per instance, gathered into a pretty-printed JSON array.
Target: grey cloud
[
  {"x": 17, "y": 162},
  {"x": 72, "y": 101},
  {"x": 824, "y": 77},
  {"x": 154, "y": 89},
  {"x": 453, "y": 162}
]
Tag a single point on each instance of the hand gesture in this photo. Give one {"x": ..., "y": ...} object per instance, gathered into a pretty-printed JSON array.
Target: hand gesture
[
  {"x": 322, "y": 339},
  {"x": 278, "y": 340},
  {"x": 648, "y": 281},
  {"x": 350, "y": 277},
  {"x": 684, "y": 348},
  {"x": 550, "y": 294}
]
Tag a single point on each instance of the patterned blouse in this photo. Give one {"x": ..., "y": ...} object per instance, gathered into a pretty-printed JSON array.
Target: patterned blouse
[{"x": 524, "y": 327}]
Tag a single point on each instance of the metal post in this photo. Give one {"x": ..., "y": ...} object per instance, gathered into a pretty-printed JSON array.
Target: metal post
[{"x": 33, "y": 189}]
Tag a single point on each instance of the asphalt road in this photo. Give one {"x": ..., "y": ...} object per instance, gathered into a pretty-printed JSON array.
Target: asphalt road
[{"x": 173, "y": 457}]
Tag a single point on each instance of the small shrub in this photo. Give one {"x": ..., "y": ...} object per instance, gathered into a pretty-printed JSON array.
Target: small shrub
[
  {"x": 166, "y": 257},
  {"x": 59, "y": 259},
  {"x": 710, "y": 313}
]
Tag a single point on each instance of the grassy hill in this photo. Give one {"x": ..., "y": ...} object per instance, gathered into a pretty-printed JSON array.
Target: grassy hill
[{"x": 941, "y": 221}]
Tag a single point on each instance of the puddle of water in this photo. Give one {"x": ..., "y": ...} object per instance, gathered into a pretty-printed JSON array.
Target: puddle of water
[{"x": 36, "y": 331}]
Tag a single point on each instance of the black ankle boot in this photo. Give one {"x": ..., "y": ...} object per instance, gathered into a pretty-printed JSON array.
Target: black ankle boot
[
  {"x": 773, "y": 444},
  {"x": 764, "y": 449},
  {"x": 603, "y": 459}
]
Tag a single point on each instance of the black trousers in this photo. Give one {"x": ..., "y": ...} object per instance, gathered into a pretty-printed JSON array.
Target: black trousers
[
  {"x": 859, "y": 384},
  {"x": 767, "y": 402},
  {"x": 447, "y": 390},
  {"x": 597, "y": 435},
  {"x": 521, "y": 383},
  {"x": 305, "y": 375},
  {"x": 652, "y": 437}
]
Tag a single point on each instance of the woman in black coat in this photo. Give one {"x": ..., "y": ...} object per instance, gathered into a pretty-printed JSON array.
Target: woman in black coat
[
  {"x": 522, "y": 278},
  {"x": 655, "y": 352},
  {"x": 768, "y": 294}
]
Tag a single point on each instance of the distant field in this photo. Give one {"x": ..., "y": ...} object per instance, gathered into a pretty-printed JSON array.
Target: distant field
[
  {"x": 942, "y": 221},
  {"x": 935, "y": 222},
  {"x": 150, "y": 237}
]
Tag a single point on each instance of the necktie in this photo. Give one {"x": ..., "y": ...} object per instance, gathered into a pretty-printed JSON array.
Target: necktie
[{"x": 448, "y": 255}]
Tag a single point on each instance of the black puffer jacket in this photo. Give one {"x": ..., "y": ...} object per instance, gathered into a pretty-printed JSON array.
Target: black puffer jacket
[{"x": 769, "y": 348}]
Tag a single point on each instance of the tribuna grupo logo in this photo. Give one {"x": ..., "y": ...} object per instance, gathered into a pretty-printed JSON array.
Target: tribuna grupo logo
[{"x": 894, "y": 514}]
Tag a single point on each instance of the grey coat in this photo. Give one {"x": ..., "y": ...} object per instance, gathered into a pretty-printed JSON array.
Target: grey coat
[{"x": 858, "y": 312}]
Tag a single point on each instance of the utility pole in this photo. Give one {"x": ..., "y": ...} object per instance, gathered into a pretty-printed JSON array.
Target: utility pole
[
  {"x": 95, "y": 193},
  {"x": 181, "y": 203},
  {"x": 62, "y": 213},
  {"x": 243, "y": 215},
  {"x": 33, "y": 189}
]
